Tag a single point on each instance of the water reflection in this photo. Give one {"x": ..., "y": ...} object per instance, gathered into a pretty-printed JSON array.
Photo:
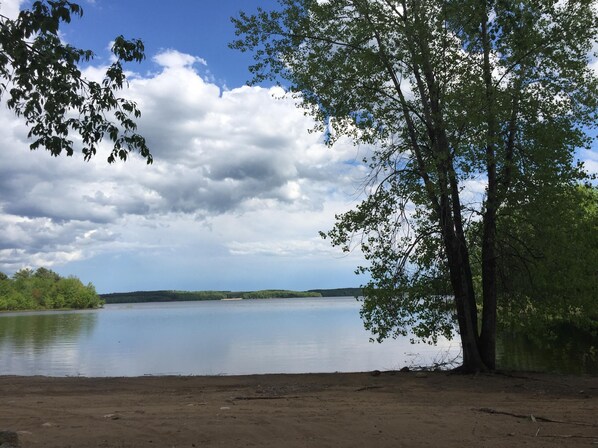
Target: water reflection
[
  {"x": 36, "y": 331},
  {"x": 45, "y": 343},
  {"x": 569, "y": 351},
  {"x": 247, "y": 337},
  {"x": 203, "y": 338}
]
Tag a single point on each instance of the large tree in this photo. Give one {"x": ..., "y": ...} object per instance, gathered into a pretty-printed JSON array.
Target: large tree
[
  {"x": 41, "y": 80},
  {"x": 454, "y": 95}
]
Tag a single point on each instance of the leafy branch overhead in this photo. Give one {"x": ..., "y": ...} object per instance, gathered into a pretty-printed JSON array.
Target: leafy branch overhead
[{"x": 41, "y": 81}]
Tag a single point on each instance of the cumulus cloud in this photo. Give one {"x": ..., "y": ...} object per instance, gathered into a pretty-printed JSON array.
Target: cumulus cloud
[
  {"x": 235, "y": 171},
  {"x": 175, "y": 59},
  {"x": 10, "y": 8},
  {"x": 590, "y": 160}
]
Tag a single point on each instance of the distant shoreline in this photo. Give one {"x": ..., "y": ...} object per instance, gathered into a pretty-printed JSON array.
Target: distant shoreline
[
  {"x": 183, "y": 296},
  {"x": 50, "y": 310},
  {"x": 197, "y": 296}
]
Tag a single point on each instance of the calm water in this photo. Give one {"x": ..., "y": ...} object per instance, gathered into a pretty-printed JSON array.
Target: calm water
[{"x": 204, "y": 338}]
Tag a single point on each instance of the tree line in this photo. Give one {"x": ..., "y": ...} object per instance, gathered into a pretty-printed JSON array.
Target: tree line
[
  {"x": 184, "y": 296},
  {"x": 45, "y": 289}
]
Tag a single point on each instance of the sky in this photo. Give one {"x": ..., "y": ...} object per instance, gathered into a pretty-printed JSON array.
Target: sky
[
  {"x": 238, "y": 190},
  {"x": 239, "y": 187}
]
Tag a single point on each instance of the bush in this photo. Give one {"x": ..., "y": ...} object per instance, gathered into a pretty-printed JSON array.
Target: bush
[{"x": 45, "y": 289}]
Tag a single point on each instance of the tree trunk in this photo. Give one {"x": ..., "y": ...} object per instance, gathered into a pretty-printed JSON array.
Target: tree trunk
[
  {"x": 465, "y": 303},
  {"x": 448, "y": 203},
  {"x": 488, "y": 331},
  {"x": 462, "y": 283}
]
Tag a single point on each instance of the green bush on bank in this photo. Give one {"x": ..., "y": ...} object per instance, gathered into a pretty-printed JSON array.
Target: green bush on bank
[
  {"x": 278, "y": 294},
  {"x": 45, "y": 289}
]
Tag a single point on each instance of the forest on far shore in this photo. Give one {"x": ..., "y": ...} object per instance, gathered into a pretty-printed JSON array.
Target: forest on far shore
[
  {"x": 181, "y": 296},
  {"x": 43, "y": 289}
]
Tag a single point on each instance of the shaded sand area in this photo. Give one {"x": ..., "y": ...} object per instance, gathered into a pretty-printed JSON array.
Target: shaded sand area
[{"x": 315, "y": 410}]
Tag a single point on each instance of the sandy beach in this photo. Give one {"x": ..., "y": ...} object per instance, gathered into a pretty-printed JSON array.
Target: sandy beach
[{"x": 391, "y": 409}]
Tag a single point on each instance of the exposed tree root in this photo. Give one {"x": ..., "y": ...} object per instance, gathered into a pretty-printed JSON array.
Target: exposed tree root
[
  {"x": 367, "y": 388},
  {"x": 568, "y": 436},
  {"x": 273, "y": 397},
  {"x": 534, "y": 417}
]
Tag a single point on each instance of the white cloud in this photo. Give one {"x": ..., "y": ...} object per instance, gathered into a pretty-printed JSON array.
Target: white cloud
[
  {"x": 175, "y": 59},
  {"x": 236, "y": 174},
  {"x": 590, "y": 159},
  {"x": 10, "y": 8}
]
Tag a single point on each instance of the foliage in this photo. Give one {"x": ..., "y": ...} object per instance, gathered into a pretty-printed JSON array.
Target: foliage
[
  {"x": 339, "y": 292},
  {"x": 278, "y": 294},
  {"x": 454, "y": 95},
  {"x": 548, "y": 269},
  {"x": 182, "y": 296},
  {"x": 45, "y": 289},
  {"x": 162, "y": 296},
  {"x": 41, "y": 78}
]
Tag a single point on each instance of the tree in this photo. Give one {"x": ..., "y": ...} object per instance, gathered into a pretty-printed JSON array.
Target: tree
[
  {"x": 452, "y": 93},
  {"x": 23, "y": 274},
  {"x": 40, "y": 75},
  {"x": 46, "y": 274}
]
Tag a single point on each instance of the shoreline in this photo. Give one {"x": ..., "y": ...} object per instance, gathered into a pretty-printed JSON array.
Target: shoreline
[
  {"x": 103, "y": 305},
  {"x": 383, "y": 409},
  {"x": 58, "y": 310}
]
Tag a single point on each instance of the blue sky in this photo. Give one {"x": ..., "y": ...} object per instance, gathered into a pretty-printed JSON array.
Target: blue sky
[
  {"x": 201, "y": 28},
  {"x": 239, "y": 188}
]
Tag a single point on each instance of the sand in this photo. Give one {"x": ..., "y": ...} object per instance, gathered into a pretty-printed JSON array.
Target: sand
[{"x": 392, "y": 409}]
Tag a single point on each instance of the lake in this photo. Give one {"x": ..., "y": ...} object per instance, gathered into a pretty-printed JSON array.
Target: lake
[{"x": 205, "y": 338}]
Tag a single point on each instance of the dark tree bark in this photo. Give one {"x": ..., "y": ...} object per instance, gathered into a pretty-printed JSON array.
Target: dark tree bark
[{"x": 489, "y": 257}]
